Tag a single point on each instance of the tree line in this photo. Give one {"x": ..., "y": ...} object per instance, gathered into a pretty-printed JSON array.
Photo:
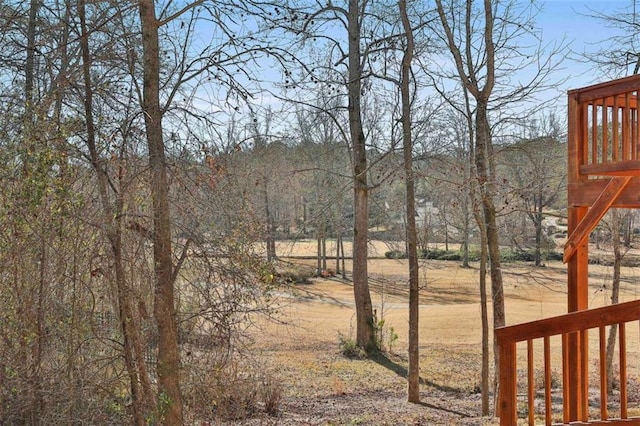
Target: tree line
[{"x": 149, "y": 147}]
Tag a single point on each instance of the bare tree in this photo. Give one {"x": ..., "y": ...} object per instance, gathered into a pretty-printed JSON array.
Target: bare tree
[
  {"x": 536, "y": 171},
  {"x": 480, "y": 39},
  {"x": 620, "y": 53},
  {"x": 307, "y": 22},
  {"x": 169, "y": 396},
  {"x": 113, "y": 215},
  {"x": 413, "y": 393}
]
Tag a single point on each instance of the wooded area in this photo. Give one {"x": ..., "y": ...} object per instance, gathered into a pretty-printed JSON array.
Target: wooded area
[{"x": 153, "y": 153}]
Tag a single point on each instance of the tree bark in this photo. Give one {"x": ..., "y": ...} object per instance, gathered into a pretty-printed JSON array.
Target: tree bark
[
  {"x": 484, "y": 315},
  {"x": 133, "y": 351},
  {"x": 169, "y": 397},
  {"x": 365, "y": 328},
  {"x": 486, "y": 180},
  {"x": 413, "y": 376},
  {"x": 29, "y": 63}
]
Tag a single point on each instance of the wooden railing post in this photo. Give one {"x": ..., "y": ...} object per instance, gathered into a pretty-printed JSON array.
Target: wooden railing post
[{"x": 507, "y": 408}]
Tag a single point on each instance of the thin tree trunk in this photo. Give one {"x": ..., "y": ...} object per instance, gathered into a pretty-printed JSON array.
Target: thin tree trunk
[
  {"x": 344, "y": 270},
  {"x": 537, "y": 221},
  {"x": 169, "y": 397},
  {"x": 468, "y": 72},
  {"x": 35, "y": 319},
  {"x": 129, "y": 323},
  {"x": 538, "y": 249},
  {"x": 319, "y": 255},
  {"x": 484, "y": 315},
  {"x": 29, "y": 63},
  {"x": 270, "y": 238},
  {"x": 338, "y": 238},
  {"x": 324, "y": 250},
  {"x": 38, "y": 407},
  {"x": 486, "y": 183},
  {"x": 615, "y": 294},
  {"x": 413, "y": 376}
]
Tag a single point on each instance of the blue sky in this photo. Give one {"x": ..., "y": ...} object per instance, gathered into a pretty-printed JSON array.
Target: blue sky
[
  {"x": 559, "y": 19},
  {"x": 573, "y": 21},
  {"x": 570, "y": 19}
]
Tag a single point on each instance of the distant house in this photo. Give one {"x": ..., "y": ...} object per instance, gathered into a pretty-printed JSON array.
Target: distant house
[{"x": 427, "y": 214}]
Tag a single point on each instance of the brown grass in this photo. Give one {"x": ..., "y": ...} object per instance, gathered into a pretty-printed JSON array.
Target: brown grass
[{"x": 323, "y": 387}]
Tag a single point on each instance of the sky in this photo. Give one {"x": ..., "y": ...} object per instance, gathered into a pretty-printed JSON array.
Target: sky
[
  {"x": 571, "y": 22},
  {"x": 559, "y": 20},
  {"x": 570, "y": 19}
]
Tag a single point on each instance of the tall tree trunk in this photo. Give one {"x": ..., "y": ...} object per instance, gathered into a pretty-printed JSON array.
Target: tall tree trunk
[
  {"x": 468, "y": 72},
  {"x": 365, "y": 328},
  {"x": 627, "y": 230},
  {"x": 30, "y": 148},
  {"x": 486, "y": 182},
  {"x": 169, "y": 397},
  {"x": 129, "y": 322},
  {"x": 413, "y": 376}
]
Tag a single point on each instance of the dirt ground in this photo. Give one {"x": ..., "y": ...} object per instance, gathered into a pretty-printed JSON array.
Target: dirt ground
[{"x": 322, "y": 387}]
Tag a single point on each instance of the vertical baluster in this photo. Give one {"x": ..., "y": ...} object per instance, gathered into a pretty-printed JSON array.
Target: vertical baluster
[
  {"x": 626, "y": 143},
  {"x": 623, "y": 370},
  {"x": 615, "y": 130},
  {"x": 583, "y": 143},
  {"x": 633, "y": 114},
  {"x": 547, "y": 381},
  {"x": 594, "y": 132},
  {"x": 636, "y": 127},
  {"x": 605, "y": 131},
  {"x": 584, "y": 373},
  {"x": 565, "y": 377},
  {"x": 604, "y": 415},
  {"x": 531, "y": 383}
]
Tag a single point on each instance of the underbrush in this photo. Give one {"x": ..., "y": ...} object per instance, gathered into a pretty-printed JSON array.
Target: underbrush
[
  {"x": 385, "y": 337},
  {"x": 232, "y": 392},
  {"x": 289, "y": 273},
  {"x": 506, "y": 255}
]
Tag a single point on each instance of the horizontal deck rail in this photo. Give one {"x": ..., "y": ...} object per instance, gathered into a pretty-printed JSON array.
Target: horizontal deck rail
[{"x": 567, "y": 326}]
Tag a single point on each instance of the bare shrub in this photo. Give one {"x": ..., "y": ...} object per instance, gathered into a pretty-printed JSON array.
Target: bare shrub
[
  {"x": 272, "y": 395},
  {"x": 231, "y": 391}
]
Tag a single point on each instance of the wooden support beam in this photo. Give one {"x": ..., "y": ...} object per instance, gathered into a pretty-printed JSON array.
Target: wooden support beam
[
  {"x": 585, "y": 193},
  {"x": 615, "y": 168},
  {"x": 574, "y": 346},
  {"x": 595, "y": 213}
]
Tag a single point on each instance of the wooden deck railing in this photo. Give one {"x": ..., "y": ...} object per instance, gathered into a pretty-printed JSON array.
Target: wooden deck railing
[
  {"x": 608, "y": 127},
  {"x": 572, "y": 325}
]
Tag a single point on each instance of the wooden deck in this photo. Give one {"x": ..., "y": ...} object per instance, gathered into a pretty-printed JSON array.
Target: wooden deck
[
  {"x": 570, "y": 326},
  {"x": 603, "y": 172}
]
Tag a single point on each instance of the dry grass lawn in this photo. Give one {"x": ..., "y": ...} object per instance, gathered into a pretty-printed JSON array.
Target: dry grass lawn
[{"x": 320, "y": 386}]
